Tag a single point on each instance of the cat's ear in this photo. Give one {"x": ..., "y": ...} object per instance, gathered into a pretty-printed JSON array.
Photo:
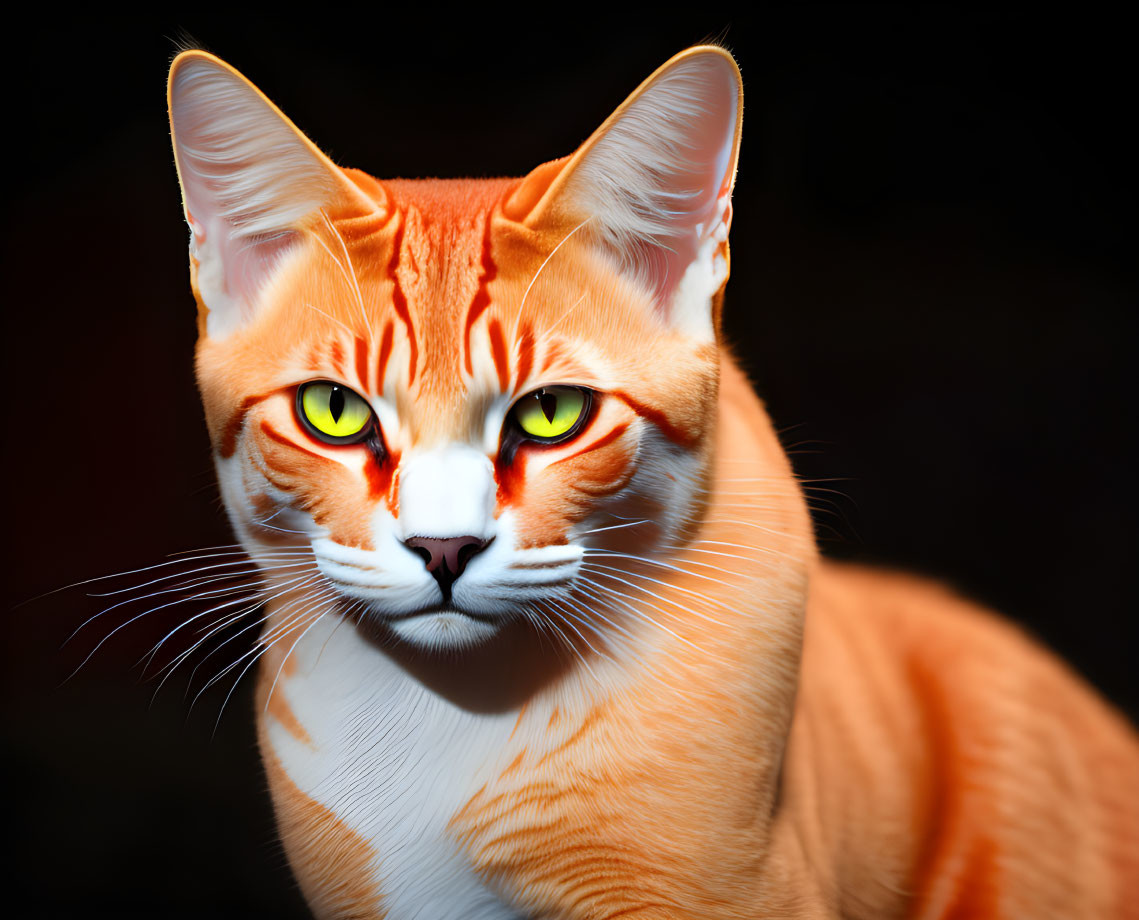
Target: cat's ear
[
  {"x": 654, "y": 182},
  {"x": 249, "y": 180}
]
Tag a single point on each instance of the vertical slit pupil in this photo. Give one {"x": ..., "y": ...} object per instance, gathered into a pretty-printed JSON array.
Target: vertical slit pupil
[
  {"x": 549, "y": 404},
  {"x": 336, "y": 403}
]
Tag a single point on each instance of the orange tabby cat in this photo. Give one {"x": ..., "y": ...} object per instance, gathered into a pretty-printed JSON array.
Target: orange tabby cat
[{"x": 547, "y": 634}]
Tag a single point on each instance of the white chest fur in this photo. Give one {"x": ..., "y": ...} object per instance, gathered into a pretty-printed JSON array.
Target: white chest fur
[{"x": 394, "y": 762}]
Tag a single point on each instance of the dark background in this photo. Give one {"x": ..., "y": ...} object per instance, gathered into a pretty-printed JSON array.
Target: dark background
[{"x": 934, "y": 288}]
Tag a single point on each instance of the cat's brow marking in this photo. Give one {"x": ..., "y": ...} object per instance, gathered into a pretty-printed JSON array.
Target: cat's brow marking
[
  {"x": 399, "y": 298},
  {"x": 488, "y": 271}
]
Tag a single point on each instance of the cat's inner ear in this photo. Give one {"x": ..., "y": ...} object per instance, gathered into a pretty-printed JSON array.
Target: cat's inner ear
[
  {"x": 654, "y": 182},
  {"x": 249, "y": 179}
]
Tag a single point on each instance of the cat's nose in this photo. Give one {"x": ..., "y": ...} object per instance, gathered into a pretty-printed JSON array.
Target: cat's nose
[{"x": 446, "y": 557}]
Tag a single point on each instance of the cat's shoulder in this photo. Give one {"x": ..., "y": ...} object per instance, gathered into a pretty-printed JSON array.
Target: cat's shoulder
[{"x": 922, "y": 637}]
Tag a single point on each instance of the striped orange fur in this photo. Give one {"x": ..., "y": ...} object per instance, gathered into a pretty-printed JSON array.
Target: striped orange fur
[{"x": 640, "y": 692}]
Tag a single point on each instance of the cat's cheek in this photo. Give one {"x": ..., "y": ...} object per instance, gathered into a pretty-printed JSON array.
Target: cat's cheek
[
  {"x": 550, "y": 496},
  {"x": 334, "y": 495}
]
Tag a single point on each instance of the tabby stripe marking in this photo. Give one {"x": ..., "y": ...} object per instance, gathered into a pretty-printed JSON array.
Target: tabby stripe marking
[
  {"x": 338, "y": 358},
  {"x": 288, "y": 442},
  {"x": 498, "y": 352},
  {"x": 334, "y": 863},
  {"x": 488, "y": 271},
  {"x": 362, "y": 363},
  {"x": 609, "y": 438},
  {"x": 385, "y": 353},
  {"x": 518, "y": 721},
  {"x": 399, "y": 301},
  {"x": 552, "y": 354},
  {"x": 227, "y": 443},
  {"x": 514, "y": 764},
  {"x": 525, "y": 359},
  {"x": 658, "y": 418},
  {"x": 587, "y": 723}
]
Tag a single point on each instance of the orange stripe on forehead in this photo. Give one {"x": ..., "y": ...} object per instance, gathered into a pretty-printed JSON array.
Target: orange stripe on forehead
[
  {"x": 338, "y": 357},
  {"x": 525, "y": 358},
  {"x": 362, "y": 363},
  {"x": 385, "y": 353},
  {"x": 488, "y": 271},
  {"x": 399, "y": 300},
  {"x": 553, "y": 353},
  {"x": 498, "y": 352}
]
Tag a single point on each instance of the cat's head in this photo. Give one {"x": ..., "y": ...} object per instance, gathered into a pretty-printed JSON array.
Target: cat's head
[{"x": 453, "y": 389}]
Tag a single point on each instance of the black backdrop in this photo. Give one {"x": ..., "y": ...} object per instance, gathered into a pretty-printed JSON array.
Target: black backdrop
[{"x": 933, "y": 289}]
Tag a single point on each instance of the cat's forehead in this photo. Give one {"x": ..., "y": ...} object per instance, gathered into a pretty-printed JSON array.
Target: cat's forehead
[
  {"x": 442, "y": 275},
  {"x": 448, "y": 203}
]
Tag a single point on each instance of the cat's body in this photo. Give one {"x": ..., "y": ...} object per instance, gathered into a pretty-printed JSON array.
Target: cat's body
[{"x": 591, "y": 702}]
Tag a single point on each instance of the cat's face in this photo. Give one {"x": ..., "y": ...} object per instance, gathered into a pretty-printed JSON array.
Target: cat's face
[{"x": 452, "y": 390}]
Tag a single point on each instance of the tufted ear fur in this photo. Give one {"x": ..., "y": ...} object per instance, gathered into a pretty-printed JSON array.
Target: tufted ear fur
[
  {"x": 654, "y": 182},
  {"x": 249, "y": 178}
]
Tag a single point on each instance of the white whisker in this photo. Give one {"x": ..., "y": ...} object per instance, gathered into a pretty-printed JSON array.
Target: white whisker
[
  {"x": 354, "y": 283},
  {"x": 545, "y": 262}
]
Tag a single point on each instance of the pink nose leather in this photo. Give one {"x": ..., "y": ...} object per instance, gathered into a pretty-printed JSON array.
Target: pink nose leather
[{"x": 446, "y": 557}]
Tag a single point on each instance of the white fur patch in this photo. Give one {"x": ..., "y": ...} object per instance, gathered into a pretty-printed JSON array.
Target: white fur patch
[{"x": 447, "y": 492}]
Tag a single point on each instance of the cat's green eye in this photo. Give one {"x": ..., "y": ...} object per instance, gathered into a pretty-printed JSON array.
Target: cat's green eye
[
  {"x": 333, "y": 413},
  {"x": 552, "y": 413}
]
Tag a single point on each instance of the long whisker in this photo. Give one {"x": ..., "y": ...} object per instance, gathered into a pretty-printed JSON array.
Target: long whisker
[
  {"x": 210, "y": 594},
  {"x": 664, "y": 600},
  {"x": 561, "y": 607},
  {"x": 755, "y": 549},
  {"x": 342, "y": 325},
  {"x": 354, "y": 283},
  {"x": 267, "y": 642},
  {"x": 545, "y": 262},
  {"x": 550, "y": 618},
  {"x": 609, "y": 554},
  {"x": 147, "y": 568},
  {"x": 592, "y": 612},
  {"x": 191, "y": 573},
  {"x": 311, "y": 623},
  {"x": 295, "y": 582},
  {"x": 614, "y": 527},
  {"x": 171, "y": 590},
  {"x": 289, "y": 605},
  {"x": 636, "y": 610},
  {"x": 277, "y": 676},
  {"x": 561, "y": 318}
]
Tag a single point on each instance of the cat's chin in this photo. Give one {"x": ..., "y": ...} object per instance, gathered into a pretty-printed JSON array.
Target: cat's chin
[{"x": 439, "y": 630}]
